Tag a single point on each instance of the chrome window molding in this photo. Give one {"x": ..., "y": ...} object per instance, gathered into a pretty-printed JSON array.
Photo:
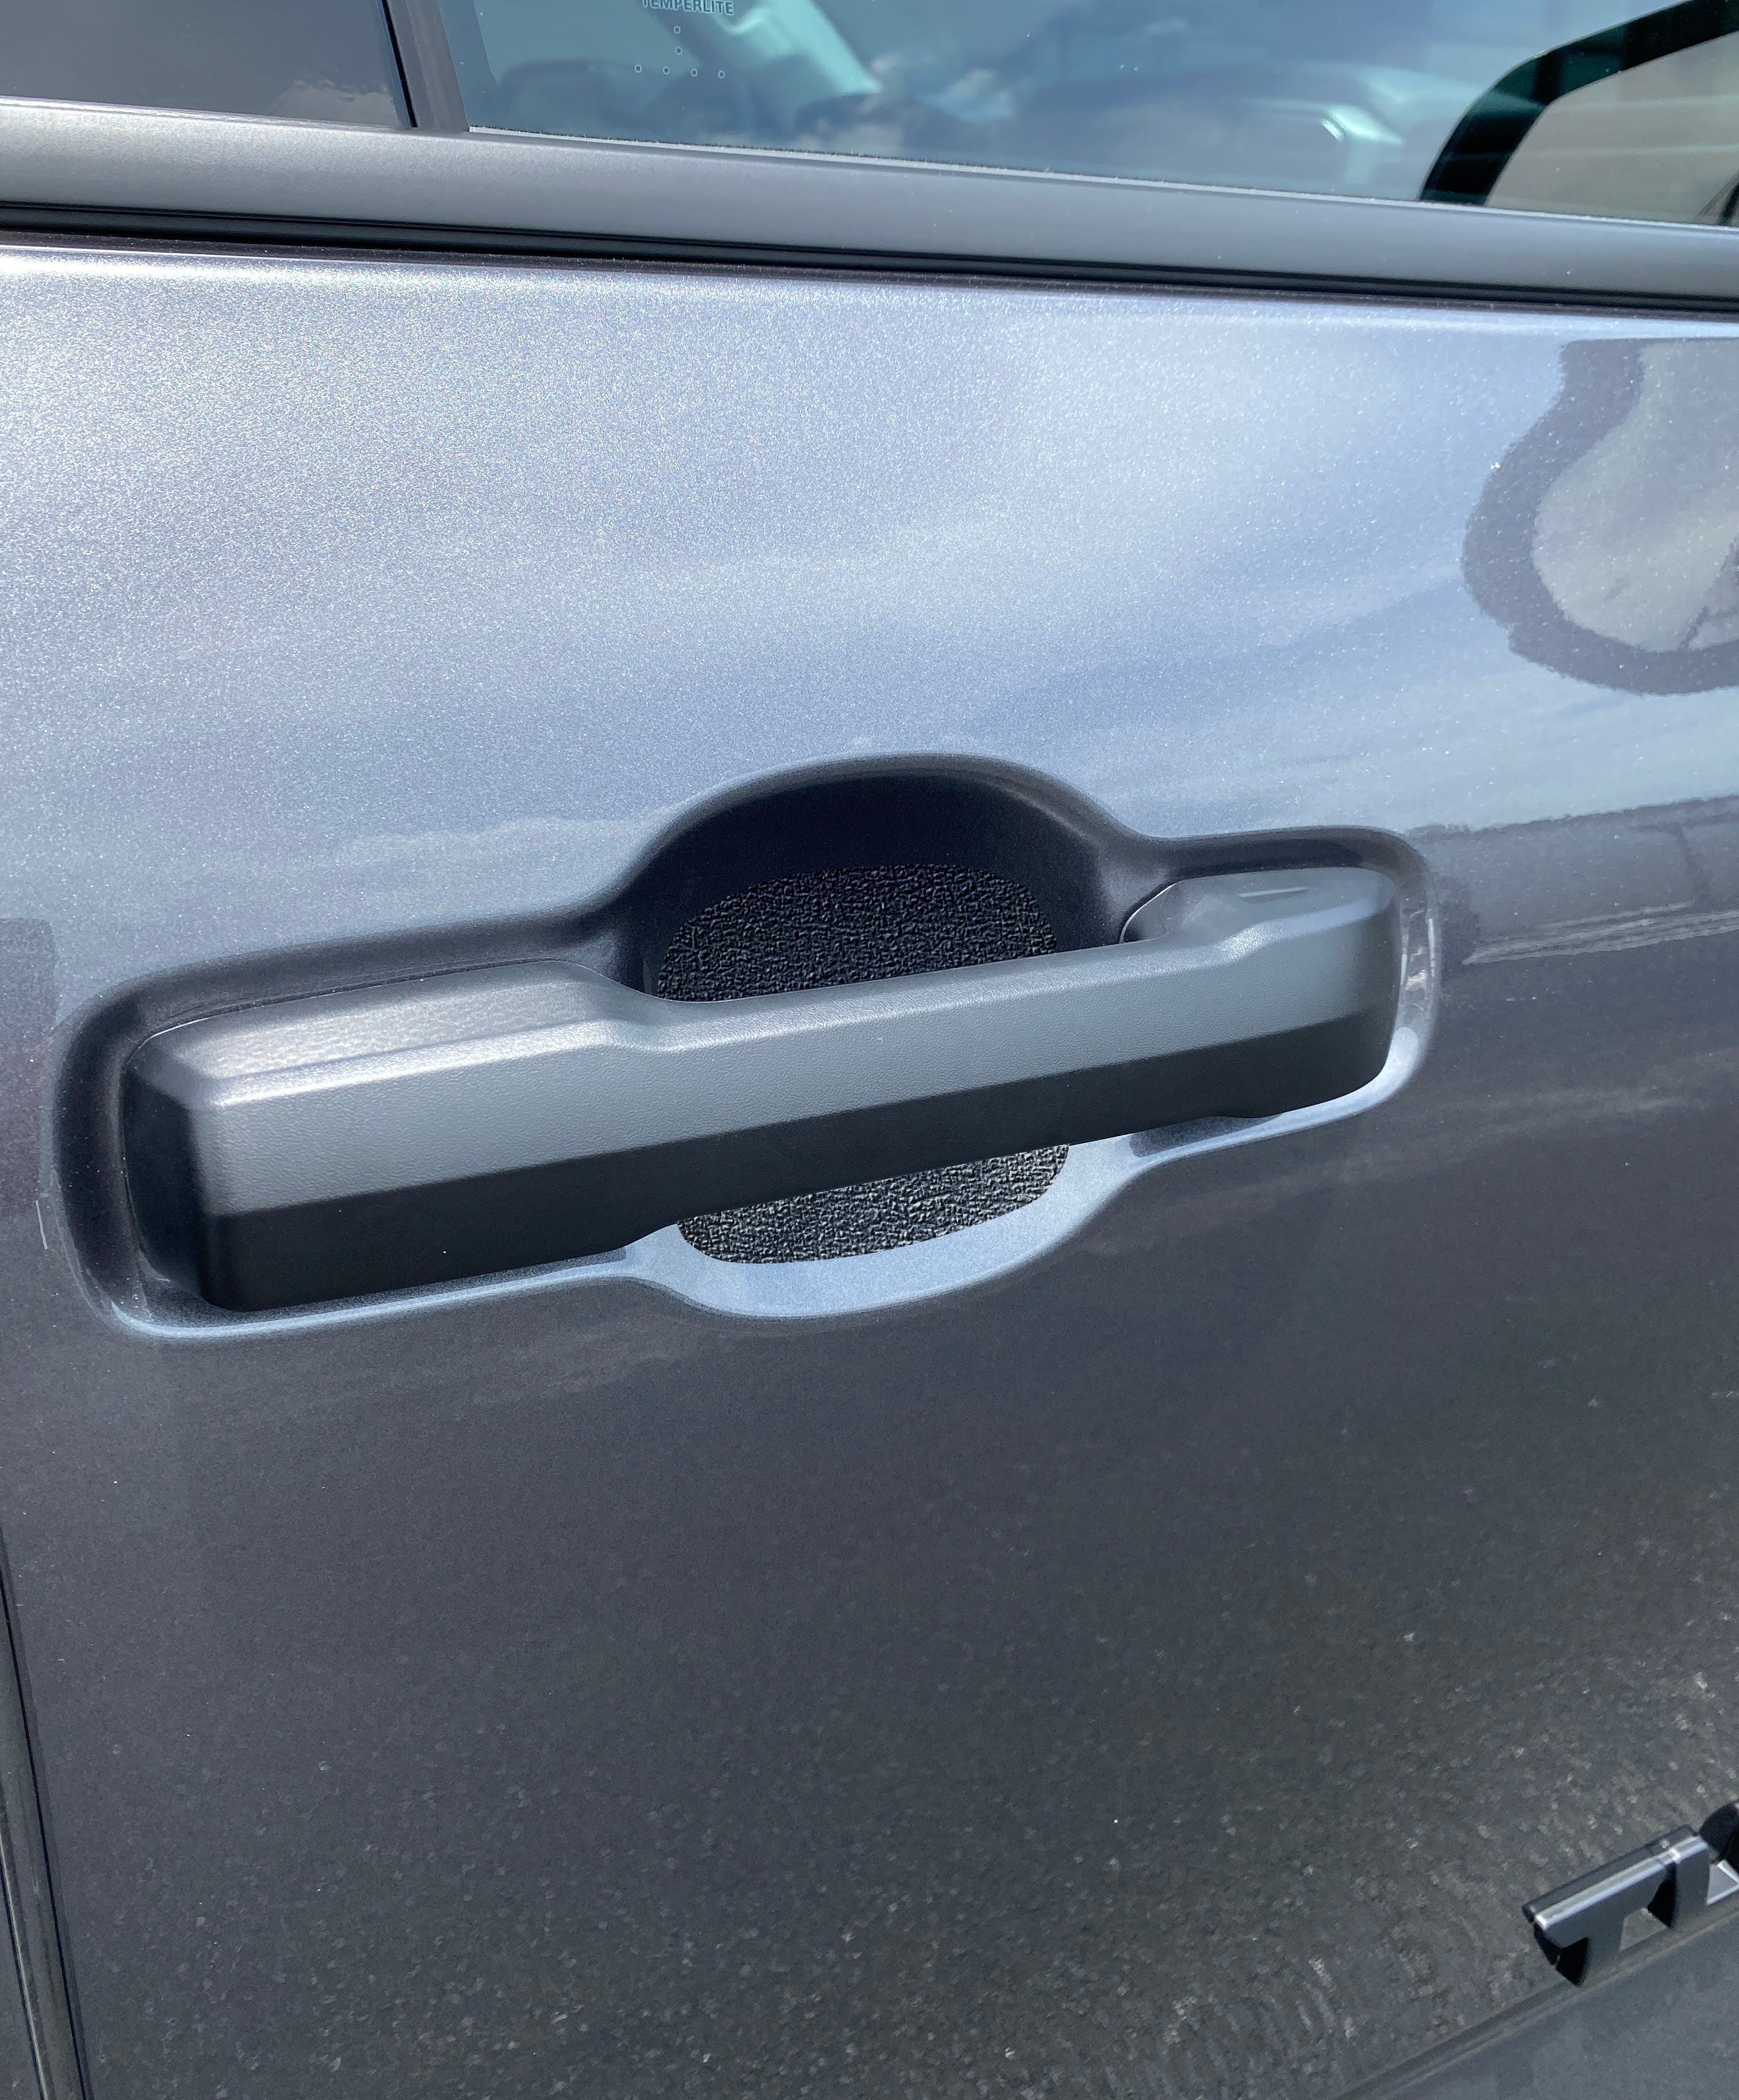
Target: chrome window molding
[{"x": 85, "y": 168}]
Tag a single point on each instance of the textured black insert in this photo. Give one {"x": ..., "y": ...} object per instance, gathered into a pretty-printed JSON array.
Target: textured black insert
[{"x": 848, "y": 926}]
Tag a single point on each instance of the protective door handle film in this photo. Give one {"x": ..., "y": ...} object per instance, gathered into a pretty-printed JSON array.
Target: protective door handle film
[{"x": 519, "y": 1113}]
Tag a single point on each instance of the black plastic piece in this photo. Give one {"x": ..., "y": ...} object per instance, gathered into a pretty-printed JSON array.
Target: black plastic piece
[{"x": 497, "y": 1118}]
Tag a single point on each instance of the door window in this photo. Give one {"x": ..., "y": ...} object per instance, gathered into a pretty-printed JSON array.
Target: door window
[
  {"x": 328, "y": 60},
  {"x": 1598, "y": 111}
]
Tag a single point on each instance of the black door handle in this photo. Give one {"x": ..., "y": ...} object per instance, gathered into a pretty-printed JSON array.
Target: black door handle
[{"x": 500, "y": 1117}]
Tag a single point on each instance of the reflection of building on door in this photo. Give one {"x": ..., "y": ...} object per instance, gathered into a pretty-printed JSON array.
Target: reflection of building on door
[
  {"x": 1606, "y": 542},
  {"x": 1588, "y": 885}
]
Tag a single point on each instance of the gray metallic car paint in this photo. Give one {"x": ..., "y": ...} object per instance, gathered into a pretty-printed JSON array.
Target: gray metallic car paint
[{"x": 1164, "y": 1668}]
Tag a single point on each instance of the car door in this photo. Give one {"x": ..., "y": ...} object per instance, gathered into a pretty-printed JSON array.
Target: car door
[{"x": 866, "y": 1034}]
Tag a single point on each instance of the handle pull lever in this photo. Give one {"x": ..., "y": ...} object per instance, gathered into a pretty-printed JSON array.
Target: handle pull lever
[{"x": 502, "y": 1117}]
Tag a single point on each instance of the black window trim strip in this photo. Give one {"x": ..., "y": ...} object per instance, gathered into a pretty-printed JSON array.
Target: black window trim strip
[
  {"x": 1483, "y": 143},
  {"x": 94, "y": 169},
  {"x": 430, "y": 80}
]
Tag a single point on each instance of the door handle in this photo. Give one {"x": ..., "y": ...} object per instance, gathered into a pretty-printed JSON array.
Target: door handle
[{"x": 518, "y": 1114}]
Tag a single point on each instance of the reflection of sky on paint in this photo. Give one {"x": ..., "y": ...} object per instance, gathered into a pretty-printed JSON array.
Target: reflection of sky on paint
[
  {"x": 1478, "y": 739},
  {"x": 340, "y": 597}
]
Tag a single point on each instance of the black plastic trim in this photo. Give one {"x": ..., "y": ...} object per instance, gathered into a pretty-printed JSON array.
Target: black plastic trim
[
  {"x": 80, "y": 168},
  {"x": 426, "y": 65}
]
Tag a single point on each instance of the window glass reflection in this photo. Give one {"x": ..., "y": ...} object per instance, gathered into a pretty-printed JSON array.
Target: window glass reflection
[
  {"x": 1352, "y": 96},
  {"x": 330, "y": 61}
]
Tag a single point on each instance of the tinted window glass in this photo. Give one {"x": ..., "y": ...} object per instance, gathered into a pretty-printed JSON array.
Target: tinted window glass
[
  {"x": 328, "y": 60},
  {"x": 1360, "y": 97},
  {"x": 1640, "y": 121}
]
